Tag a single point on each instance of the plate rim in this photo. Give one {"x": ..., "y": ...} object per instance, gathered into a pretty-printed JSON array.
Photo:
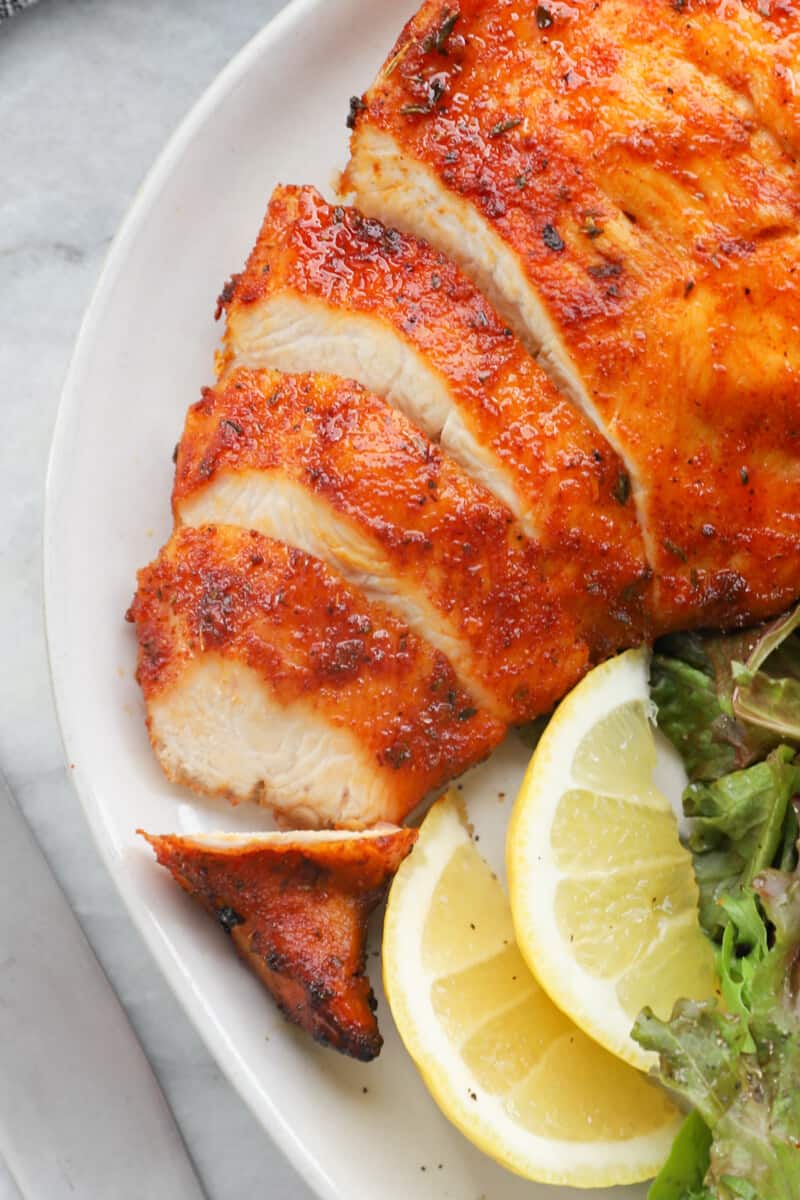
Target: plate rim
[{"x": 266, "y": 1112}]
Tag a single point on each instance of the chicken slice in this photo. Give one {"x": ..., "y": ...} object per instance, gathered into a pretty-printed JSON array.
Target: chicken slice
[
  {"x": 317, "y": 462},
  {"x": 326, "y": 290},
  {"x": 296, "y": 908},
  {"x": 267, "y": 677},
  {"x": 630, "y": 207},
  {"x": 756, "y": 54}
]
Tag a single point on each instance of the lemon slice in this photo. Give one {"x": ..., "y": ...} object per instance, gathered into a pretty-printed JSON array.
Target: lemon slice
[
  {"x": 503, "y": 1064},
  {"x": 602, "y": 891}
]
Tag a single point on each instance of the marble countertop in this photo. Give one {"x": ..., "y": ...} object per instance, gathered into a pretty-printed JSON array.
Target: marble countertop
[{"x": 91, "y": 89}]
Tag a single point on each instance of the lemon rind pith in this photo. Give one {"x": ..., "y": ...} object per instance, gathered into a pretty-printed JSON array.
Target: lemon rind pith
[
  {"x": 534, "y": 878},
  {"x": 472, "y": 1110}
]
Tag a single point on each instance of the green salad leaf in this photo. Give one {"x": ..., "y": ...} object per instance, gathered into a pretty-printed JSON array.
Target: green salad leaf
[
  {"x": 681, "y": 1177},
  {"x": 691, "y": 713},
  {"x": 731, "y": 705},
  {"x": 691, "y": 684},
  {"x": 699, "y": 1049},
  {"x": 744, "y": 947},
  {"x": 726, "y": 700},
  {"x": 737, "y": 826},
  {"x": 741, "y": 1069}
]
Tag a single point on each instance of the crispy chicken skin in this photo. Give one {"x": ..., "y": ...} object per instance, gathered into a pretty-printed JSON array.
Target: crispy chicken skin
[
  {"x": 267, "y": 677},
  {"x": 755, "y": 51},
  {"x": 618, "y": 178},
  {"x": 536, "y": 399},
  {"x": 316, "y": 461},
  {"x": 296, "y": 909},
  {"x": 326, "y": 289},
  {"x": 540, "y": 401}
]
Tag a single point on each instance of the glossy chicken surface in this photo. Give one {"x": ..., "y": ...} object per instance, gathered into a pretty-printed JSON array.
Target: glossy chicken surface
[
  {"x": 320, "y": 463},
  {"x": 618, "y": 177},
  {"x": 296, "y": 909},
  {"x": 267, "y": 677},
  {"x": 536, "y": 399},
  {"x": 325, "y": 289}
]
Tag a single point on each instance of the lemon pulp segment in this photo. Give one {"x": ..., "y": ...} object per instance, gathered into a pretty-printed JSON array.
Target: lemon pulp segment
[
  {"x": 603, "y": 893},
  {"x": 502, "y": 1061}
]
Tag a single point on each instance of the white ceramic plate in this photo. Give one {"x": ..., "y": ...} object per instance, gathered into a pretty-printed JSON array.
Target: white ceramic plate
[{"x": 276, "y": 113}]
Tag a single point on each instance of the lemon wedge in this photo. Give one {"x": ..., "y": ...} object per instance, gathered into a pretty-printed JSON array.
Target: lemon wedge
[
  {"x": 503, "y": 1064},
  {"x": 603, "y": 893}
]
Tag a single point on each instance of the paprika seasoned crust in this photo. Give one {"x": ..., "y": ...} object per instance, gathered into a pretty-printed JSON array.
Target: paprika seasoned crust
[
  {"x": 325, "y": 289},
  {"x": 318, "y": 463},
  {"x": 296, "y": 907},
  {"x": 266, "y": 677},
  {"x": 618, "y": 178}
]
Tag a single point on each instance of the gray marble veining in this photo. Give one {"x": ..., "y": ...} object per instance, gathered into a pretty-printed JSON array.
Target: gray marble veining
[{"x": 90, "y": 90}]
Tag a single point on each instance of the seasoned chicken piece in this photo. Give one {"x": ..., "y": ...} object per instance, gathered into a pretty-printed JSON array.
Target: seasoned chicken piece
[
  {"x": 326, "y": 290},
  {"x": 755, "y": 50},
  {"x": 629, "y": 202},
  {"x": 267, "y": 677},
  {"x": 318, "y": 463},
  {"x": 296, "y": 908}
]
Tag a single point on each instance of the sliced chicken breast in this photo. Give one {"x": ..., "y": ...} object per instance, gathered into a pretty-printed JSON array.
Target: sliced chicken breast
[
  {"x": 296, "y": 908},
  {"x": 630, "y": 204},
  {"x": 267, "y": 677},
  {"x": 755, "y": 52},
  {"x": 326, "y": 290},
  {"x": 317, "y": 462}
]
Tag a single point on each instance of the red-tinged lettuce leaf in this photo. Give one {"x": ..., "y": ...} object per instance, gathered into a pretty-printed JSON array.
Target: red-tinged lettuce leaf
[
  {"x": 741, "y": 1070},
  {"x": 766, "y": 689},
  {"x": 699, "y": 1049},
  {"x": 695, "y": 713},
  {"x": 726, "y": 700},
  {"x": 745, "y": 1099},
  {"x": 775, "y": 1000},
  {"x": 756, "y": 1148}
]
